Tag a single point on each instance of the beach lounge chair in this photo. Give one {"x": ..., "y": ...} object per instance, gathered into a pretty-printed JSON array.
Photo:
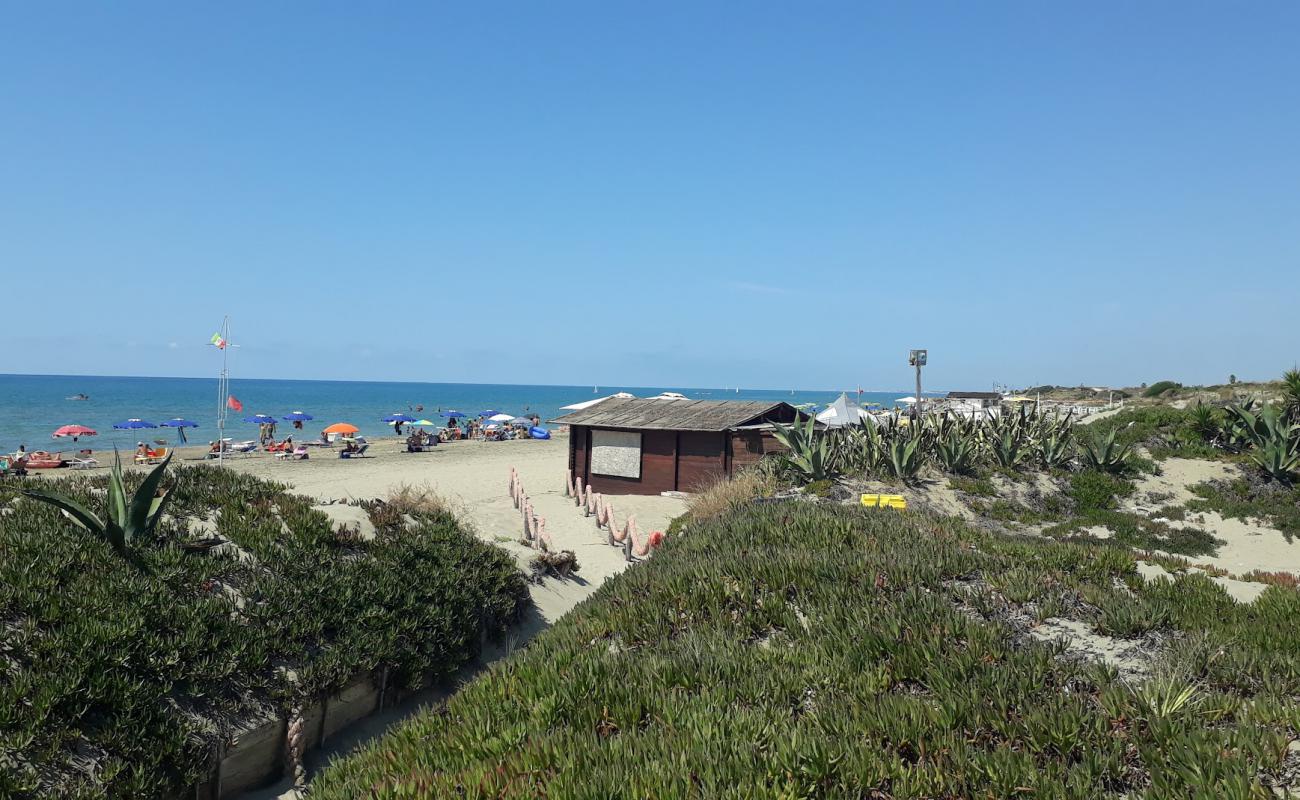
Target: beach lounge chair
[
  {"x": 247, "y": 448},
  {"x": 151, "y": 456},
  {"x": 358, "y": 453},
  {"x": 300, "y": 453},
  {"x": 83, "y": 460},
  {"x": 43, "y": 460}
]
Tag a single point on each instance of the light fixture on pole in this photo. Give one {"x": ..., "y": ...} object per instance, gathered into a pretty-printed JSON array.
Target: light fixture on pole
[{"x": 917, "y": 358}]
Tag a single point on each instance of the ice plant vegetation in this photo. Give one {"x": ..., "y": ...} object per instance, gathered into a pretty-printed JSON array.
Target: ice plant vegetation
[{"x": 791, "y": 649}]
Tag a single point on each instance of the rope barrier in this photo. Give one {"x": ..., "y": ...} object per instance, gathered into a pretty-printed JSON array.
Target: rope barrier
[{"x": 592, "y": 504}]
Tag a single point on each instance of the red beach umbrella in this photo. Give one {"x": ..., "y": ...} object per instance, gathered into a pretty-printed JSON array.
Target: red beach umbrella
[{"x": 74, "y": 431}]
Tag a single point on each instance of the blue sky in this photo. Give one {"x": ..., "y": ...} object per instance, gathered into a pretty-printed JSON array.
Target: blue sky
[{"x": 694, "y": 193}]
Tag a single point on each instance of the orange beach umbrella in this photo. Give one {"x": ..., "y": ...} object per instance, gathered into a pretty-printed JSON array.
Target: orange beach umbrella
[{"x": 342, "y": 427}]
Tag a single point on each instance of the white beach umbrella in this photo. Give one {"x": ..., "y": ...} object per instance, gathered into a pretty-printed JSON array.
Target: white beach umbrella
[
  {"x": 501, "y": 417},
  {"x": 906, "y": 400}
]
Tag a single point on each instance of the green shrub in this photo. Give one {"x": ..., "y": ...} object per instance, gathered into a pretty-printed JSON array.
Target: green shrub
[
  {"x": 1092, "y": 490},
  {"x": 139, "y": 668},
  {"x": 821, "y": 488},
  {"x": 808, "y": 650},
  {"x": 1160, "y": 387}
]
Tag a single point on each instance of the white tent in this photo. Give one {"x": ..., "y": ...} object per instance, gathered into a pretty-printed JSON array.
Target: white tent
[
  {"x": 669, "y": 396},
  {"x": 590, "y": 403},
  {"x": 842, "y": 412},
  {"x": 906, "y": 400}
]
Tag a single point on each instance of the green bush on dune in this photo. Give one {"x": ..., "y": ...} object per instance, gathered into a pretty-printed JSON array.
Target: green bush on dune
[
  {"x": 122, "y": 675},
  {"x": 1160, "y": 387},
  {"x": 798, "y": 650}
]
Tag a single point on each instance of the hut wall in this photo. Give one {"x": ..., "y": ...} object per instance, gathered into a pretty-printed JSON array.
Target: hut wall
[
  {"x": 658, "y": 466},
  {"x": 700, "y": 459},
  {"x": 747, "y": 447}
]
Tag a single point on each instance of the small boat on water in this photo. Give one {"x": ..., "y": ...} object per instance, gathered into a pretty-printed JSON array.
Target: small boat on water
[{"x": 77, "y": 397}]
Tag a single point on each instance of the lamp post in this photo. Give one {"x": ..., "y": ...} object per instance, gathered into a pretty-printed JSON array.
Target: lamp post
[{"x": 917, "y": 358}]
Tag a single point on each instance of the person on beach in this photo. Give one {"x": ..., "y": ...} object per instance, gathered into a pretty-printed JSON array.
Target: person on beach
[
  {"x": 20, "y": 455},
  {"x": 141, "y": 450},
  {"x": 397, "y": 427}
]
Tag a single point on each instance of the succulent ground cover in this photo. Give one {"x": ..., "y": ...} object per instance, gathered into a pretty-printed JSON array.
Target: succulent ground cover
[
  {"x": 121, "y": 672},
  {"x": 801, "y": 649}
]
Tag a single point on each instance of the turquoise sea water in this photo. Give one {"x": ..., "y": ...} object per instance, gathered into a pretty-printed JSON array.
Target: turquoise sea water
[{"x": 33, "y": 406}]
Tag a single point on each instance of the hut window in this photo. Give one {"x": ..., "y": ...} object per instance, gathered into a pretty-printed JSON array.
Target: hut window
[{"x": 616, "y": 453}]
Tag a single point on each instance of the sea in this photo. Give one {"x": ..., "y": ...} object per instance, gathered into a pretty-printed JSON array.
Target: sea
[{"x": 32, "y": 407}]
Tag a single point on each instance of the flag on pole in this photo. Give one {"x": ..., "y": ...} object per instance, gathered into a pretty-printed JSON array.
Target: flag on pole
[
  {"x": 217, "y": 342},
  {"x": 234, "y": 403}
]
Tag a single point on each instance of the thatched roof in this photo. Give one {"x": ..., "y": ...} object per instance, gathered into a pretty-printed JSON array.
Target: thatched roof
[
  {"x": 974, "y": 396},
  {"x": 678, "y": 415}
]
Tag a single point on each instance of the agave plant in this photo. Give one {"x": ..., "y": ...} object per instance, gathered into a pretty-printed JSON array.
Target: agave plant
[
  {"x": 906, "y": 456},
  {"x": 1204, "y": 422},
  {"x": 1279, "y": 460},
  {"x": 1102, "y": 453},
  {"x": 956, "y": 451},
  {"x": 1262, "y": 428},
  {"x": 129, "y": 521},
  {"x": 810, "y": 453},
  {"x": 1056, "y": 448},
  {"x": 1008, "y": 447},
  {"x": 1291, "y": 395}
]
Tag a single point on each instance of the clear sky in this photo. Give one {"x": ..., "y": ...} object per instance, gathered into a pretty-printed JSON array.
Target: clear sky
[{"x": 674, "y": 193}]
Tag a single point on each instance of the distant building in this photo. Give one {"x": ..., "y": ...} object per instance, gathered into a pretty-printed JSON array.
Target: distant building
[
  {"x": 974, "y": 400},
  {"x": 648, "y": 446}
]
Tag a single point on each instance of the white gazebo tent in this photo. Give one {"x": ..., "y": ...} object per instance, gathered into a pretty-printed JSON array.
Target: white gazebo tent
[{"x": 843, "y": 412}]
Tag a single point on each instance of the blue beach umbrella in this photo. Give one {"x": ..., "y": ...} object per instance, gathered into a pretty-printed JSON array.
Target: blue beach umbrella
[
  {"x": 260, "y": 419},
  {"x": 132, "y": 424},
  {"x": 180, "y": 425},
  {"x": 298, "y": 416},
  {"x": 399, "y": 418},
  {"x": 452, "y": 414},
  {"x": 491, "y": 412}
]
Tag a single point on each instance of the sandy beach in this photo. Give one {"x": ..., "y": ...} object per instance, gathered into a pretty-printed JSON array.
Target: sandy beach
[{"x": 473, "y": 476}]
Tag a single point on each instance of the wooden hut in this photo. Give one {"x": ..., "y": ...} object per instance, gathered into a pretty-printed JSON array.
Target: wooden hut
[{"x": 648, "y": 446}]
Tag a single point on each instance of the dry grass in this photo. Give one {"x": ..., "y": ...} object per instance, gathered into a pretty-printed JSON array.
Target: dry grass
[
  {"x": 725, "y": 494},
  {"x": 424, "y": 500}
]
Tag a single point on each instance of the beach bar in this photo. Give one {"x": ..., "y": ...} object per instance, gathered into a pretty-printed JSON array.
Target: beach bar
[{"x": 648, "y": 446}]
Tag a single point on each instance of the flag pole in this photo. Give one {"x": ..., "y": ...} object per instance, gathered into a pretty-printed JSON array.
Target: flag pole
[{"x": 223, "y": 390}]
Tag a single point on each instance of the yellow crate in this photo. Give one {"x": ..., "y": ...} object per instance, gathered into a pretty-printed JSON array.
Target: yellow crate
[{"x": 885, "y": 501}]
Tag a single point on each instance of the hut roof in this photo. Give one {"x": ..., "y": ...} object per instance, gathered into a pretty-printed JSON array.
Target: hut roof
[
  {"x": 974, "y": 396},
  {"x": 673, "y": 415}
]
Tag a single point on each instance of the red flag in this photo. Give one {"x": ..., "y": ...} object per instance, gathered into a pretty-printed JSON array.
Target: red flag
[{"x": 234, "y": 403}]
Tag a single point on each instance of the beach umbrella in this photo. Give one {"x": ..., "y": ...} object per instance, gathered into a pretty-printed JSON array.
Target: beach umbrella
[
  {"x": 261, "y": 419},
  {"x": 132, "y": 424},
  {"x": 399, "y": 418},
  {"x": 298, "y": 416},
  {"x": 452, "y": 414},
  {"x": 74, "y": 431},
  {"x": 500, "y": 418},
  {"x": 342, "y": 427},
  {"x": 425, "y": 423},
  {"x": 491, "y": 412},
  {"x": 906, "y": 400},
  {"x": 180, "y": 425}
]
